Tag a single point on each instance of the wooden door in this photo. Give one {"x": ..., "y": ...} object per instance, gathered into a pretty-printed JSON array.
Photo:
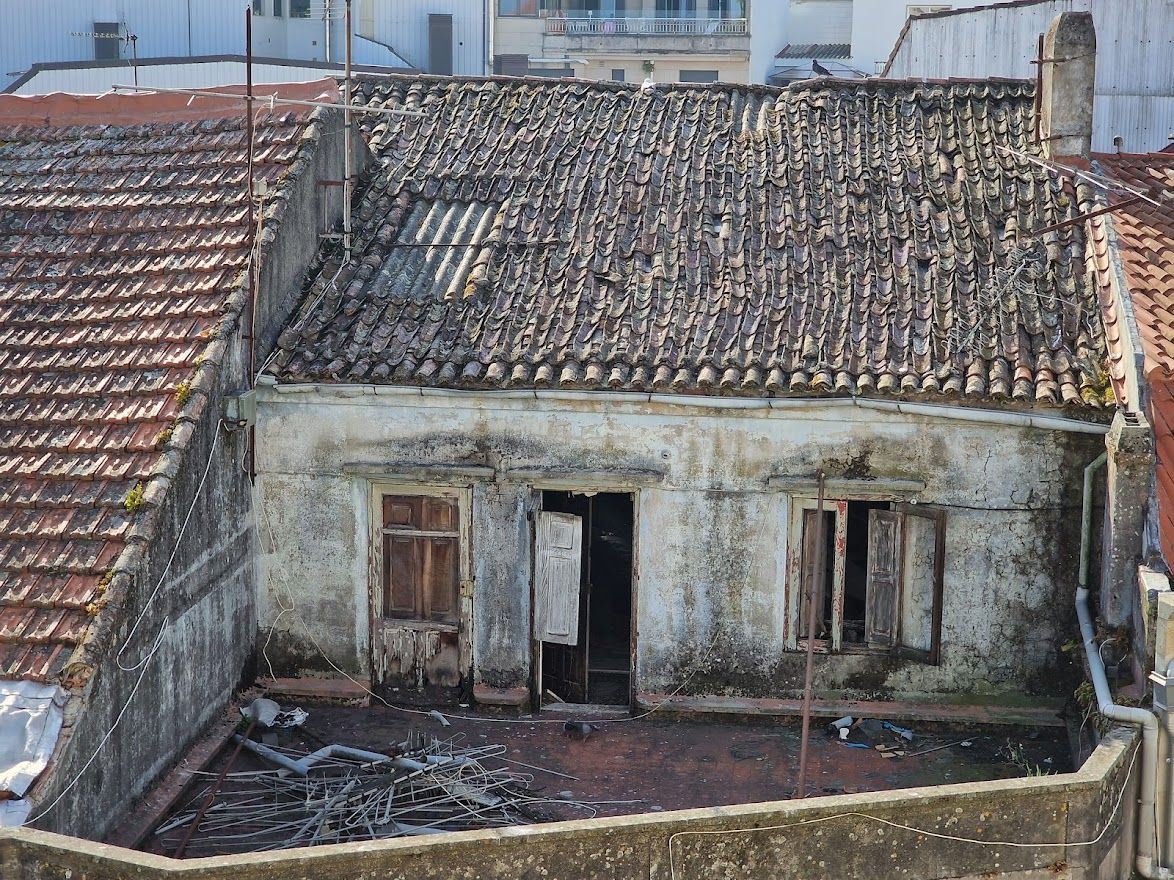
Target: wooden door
[
  {"x": 418, "y": 602},
  {"x": 559, "y": 604}
]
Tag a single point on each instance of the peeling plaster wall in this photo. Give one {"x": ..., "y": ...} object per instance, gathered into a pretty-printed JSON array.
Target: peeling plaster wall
[
  {"x": 711, "y": 553},
  {"x": 205, "y": 610}
]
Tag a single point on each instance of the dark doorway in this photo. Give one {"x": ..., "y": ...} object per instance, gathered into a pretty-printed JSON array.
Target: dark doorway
[{"x": 598, "y": 668}]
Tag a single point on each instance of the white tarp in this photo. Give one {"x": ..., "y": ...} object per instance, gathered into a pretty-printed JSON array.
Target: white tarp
[{"x": 30, "y": 722}]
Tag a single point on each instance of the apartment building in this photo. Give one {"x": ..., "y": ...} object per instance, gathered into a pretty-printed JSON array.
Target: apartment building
[{"x": 624, "y": 40}]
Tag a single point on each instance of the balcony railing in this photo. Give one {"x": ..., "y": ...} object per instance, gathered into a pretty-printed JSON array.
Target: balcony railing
[{"x": 641, "y": 26}]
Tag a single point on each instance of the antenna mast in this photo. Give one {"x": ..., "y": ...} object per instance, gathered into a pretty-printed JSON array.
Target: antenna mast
[{"x": 346, "y": 137}]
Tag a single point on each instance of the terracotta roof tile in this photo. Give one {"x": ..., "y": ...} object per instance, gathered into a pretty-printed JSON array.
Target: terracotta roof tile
[
  {"x": 123, "y": 232},
  {"x": 834, "y": 237},
  {"x": 1139, "y": 239}
]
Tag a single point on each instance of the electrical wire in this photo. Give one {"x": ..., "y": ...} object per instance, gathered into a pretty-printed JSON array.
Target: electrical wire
[
  {"x": 171, "y": 558},
  {"x": 922, "y": 831},
  {"x": 142, "y": 667}
]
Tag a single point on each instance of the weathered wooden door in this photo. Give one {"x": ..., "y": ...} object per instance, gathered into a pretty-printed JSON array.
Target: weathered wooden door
[
  {"x": 559, "y": 604},
  {"x": 420, "y": 600}
]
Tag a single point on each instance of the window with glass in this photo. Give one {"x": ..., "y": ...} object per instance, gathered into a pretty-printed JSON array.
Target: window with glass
[
  {"x": 258, "y": 7},
  {"x": 518, "y": 7},
  {"x": 299, "y": 8}
]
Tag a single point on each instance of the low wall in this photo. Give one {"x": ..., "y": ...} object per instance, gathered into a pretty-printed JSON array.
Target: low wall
[{"x": 1082, "y": 822}]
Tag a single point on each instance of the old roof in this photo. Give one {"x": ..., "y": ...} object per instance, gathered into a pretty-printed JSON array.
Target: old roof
[
  {"x": 1137, "y": 241},
  {"x": 123, "y": 234},
  {"x": 1145, "y": 239},
  {"x": 836, "y": 236}
]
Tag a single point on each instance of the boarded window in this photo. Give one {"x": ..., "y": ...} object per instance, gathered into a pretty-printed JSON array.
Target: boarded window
[{"x": 421, "y": 557}]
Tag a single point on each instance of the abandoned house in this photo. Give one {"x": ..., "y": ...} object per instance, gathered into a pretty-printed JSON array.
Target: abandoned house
[
  {"x": 126, "y": 562},
  {"x": 555, "y": 431},
  {"x": 601, "y": 395}
]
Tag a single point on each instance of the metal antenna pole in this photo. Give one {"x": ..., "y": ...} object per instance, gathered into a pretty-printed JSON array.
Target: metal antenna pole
[
  {"x": 812, "y": 612},
  {"x": 347, "y": 183}
]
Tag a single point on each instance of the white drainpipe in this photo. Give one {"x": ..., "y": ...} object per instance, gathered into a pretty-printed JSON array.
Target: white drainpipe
[{"x": 1146, "y": 861}]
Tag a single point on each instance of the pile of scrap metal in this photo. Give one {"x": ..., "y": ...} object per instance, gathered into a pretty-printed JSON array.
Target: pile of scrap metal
[{"x": 338, "y": 794}]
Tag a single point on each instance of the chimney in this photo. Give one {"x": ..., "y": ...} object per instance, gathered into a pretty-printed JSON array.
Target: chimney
[{"x": 1069, "y": 67}]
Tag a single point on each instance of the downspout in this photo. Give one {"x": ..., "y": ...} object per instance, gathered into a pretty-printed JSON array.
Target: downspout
[{"x": 1146, "y": 862}]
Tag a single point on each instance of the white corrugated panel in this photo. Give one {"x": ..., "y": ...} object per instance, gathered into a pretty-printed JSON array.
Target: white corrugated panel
[
  {"x": 403, "y": 26},
  {"x": 1135, "y": 59},
  {"x": 181, "y": 75},
  {"x": 819, "y": 21},
  {"x": 30, "y": 722}
]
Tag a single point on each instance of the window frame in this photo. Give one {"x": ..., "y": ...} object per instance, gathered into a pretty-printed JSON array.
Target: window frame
[
  {"x": 461, "y": 495},
  {"x": 538, "y": 9},
  {"x": 258, "y": 8},
  {"x": 795, "y": 627},
  {"x": 292, "y": 14}
]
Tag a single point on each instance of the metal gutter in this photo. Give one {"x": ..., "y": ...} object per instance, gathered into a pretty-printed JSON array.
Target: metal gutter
[{"x": 934, "y": 410}]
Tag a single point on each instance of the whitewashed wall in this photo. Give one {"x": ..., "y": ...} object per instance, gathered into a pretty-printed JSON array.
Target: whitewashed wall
[
  {"x": 1134, "y": 92},
  {"x": 33, "y": 31},
  {"x": 711, "y": 551}
]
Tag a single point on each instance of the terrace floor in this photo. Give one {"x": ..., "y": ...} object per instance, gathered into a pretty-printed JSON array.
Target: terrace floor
[{"x": 648, "y": 764}]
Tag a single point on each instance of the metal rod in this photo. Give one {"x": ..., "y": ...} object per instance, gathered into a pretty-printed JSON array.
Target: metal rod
[
  {"x": 812, "y": 611},
  {"x": 183, "y": 844},
  {"x": 1095, "y": 180},
  {"x": 347, "y": 176},
  {"x": 1081, "y": 217},
  {"x": 253, "y": 268},
  {"x": 1039, "y": 85},
  {"x": 269, "y": 99}
]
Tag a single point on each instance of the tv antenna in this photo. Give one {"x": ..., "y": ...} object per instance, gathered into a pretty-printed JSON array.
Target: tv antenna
[{"x": 128, "y": 38}]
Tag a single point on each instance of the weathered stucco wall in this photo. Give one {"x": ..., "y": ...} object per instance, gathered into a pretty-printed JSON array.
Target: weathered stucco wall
[
  {"x": 203, "y": 615},
  {"x": 711, "y": 555},
  {"x": 814, "y": 839}
]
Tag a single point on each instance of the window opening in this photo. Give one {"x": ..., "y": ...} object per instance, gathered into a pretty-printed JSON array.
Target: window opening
[{"x": 880, "y": 588}]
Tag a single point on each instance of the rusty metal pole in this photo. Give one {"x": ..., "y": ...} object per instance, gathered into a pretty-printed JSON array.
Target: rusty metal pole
[
  {"x": 348, "y": 171},
  {"x": 812, "y": 616},
  {"x": 1039, "y": 86},
  {"x": 199, "y": 817}
]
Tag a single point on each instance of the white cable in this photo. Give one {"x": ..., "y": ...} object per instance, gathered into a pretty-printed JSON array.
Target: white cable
[
  {"x": 170, "y": 559},
  {"x": 121, "y": 712},
  {"x": 922, "y": 831}
]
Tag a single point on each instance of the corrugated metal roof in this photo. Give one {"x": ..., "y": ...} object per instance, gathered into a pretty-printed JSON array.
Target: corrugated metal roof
[
  {"x": 1135, "y": 58},
  {"x": 816, "y": 50}
]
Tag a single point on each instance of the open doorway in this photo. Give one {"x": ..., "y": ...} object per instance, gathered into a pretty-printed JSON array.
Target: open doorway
[{"x": 594, "y": 663}]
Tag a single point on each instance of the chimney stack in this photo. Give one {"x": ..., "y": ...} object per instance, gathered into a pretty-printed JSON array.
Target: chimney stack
[{"x": 1069, "y": 68}]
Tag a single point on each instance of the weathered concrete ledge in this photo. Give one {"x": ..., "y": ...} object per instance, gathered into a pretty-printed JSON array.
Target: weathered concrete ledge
[{"x": 1074, "y": 817}]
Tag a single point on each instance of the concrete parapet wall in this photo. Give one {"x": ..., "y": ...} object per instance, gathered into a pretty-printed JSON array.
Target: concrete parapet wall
[{"x": 1082, "y": 822}]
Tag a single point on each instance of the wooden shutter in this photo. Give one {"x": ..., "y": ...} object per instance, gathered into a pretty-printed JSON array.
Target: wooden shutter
[
  {"x": 883, "y": 585},
  {"x": 813, "y": 581},
  {"x": 421, "y": 558},
  {"x": 923, "y": 582},
  {"x": 557, "y": 568}
]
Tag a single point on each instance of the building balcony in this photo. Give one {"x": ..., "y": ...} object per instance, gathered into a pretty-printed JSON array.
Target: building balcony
[
  {"x": 621, "y": 27},
  {"x": 700, "y": 36}
]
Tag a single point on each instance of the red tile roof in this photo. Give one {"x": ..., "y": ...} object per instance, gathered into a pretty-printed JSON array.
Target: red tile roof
[
  {"x": 1139, "y": 239},
  {"x": 123, "y": 235}
]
